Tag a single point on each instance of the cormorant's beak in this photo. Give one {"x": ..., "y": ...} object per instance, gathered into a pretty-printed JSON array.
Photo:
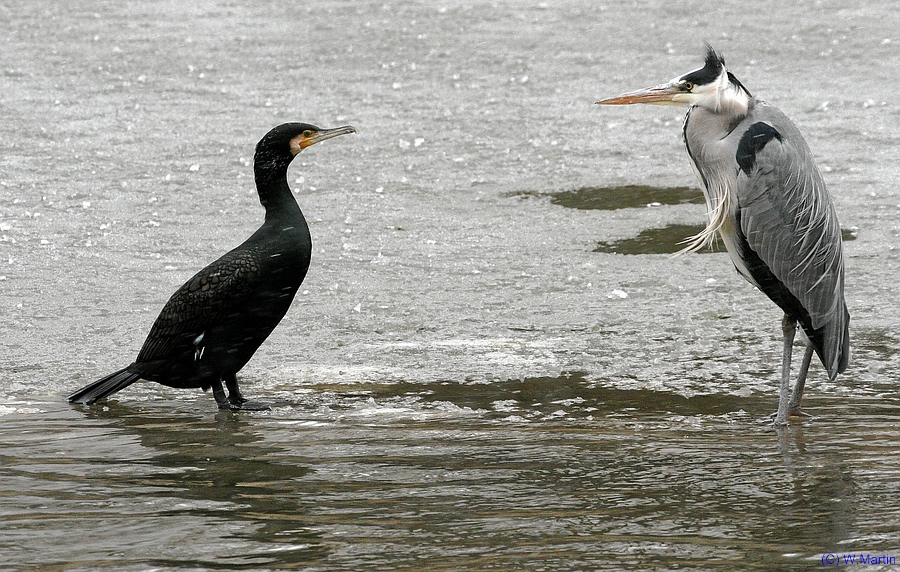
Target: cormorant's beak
[
  {"x": 664, "y": 94},
  {"x": 325, "y": 134}
]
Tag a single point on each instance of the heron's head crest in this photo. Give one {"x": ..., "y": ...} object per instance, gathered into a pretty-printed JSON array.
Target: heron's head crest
[{"x": 710, "y": 71}]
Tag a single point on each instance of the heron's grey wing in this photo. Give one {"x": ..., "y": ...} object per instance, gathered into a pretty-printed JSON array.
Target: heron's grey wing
[
  {"x": 204, "y": 301},
  {"x": 789, "y": 222}
]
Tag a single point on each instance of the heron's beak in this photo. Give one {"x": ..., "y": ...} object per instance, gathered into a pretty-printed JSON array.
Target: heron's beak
[
  {"x": 664, "y": 94},
  {"x": 325, "y": 134}
]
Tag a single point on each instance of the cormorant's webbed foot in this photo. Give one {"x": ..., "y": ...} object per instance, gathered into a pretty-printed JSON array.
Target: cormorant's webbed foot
[
  {"x": 251, "y": 405},
  {"x": 235, "y": 401}
]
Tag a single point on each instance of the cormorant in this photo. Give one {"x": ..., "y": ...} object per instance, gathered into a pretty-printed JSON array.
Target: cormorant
[{"x": 215, "y": 322}]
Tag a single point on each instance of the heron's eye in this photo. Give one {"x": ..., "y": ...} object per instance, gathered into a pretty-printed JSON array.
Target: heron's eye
[
  {"x": 688, "y": 86},
  {"x": 308, "y": 133}
]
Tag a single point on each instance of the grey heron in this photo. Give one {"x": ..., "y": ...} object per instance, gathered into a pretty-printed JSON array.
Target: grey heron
[{"x": 767, "y": 201}]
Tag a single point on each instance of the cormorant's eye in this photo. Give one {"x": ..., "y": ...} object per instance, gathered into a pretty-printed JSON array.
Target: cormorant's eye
[
  {"x": 308, "y": 133},
  {"x": 688, "y": 86}
]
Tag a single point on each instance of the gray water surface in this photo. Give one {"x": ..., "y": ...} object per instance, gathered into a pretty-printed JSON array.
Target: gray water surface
[
  {"x": 463, "y": 382},
  {"x": 540, "y": 473}
]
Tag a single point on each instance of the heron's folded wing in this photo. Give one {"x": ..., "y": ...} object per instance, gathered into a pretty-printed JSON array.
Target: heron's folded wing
[{"x": 789, "y": 221}]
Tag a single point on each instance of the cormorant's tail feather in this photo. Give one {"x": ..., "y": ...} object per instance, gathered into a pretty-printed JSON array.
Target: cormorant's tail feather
[{"x": 104, "y": 386}]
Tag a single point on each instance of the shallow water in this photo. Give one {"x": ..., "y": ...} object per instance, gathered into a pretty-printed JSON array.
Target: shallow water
[
  {"x": 628, "y": 196},
  {"x": 464, "y": 382},
  {"x": 540, "y": 473},
  {"x": 670, "y": 239}
]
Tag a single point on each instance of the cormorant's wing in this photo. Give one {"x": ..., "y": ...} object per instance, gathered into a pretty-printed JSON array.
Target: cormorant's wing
[
  {"x": 204, "y": 301},
  {"x": 789, "y": 222}
]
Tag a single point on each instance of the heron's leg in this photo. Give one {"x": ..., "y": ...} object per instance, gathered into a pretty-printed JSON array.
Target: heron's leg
[
  {"x": 788, "y": 328},
  {"x": 237, "y": 400},
  {"x": 797, "y": 395}
]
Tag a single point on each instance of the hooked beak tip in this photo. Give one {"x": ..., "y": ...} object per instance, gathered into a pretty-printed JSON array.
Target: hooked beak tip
[{"x": 326, "y": 134}]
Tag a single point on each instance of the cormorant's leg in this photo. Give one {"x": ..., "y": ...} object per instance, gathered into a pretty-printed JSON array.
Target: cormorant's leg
[
  {"x": 234, "y": 392},
  {"x": 789, "y": 328},
  {"x": 797, "y": 395},
  {"x": 219, "y": 394},
  {"x": 237, "y": 400}
]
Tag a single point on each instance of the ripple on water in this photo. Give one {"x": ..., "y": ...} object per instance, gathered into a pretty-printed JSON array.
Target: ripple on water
[{"x": 565, "y": 471}]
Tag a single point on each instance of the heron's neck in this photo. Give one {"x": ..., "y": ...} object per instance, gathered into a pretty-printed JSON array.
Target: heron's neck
[
  {"x": 705, "y": 137},
  {"x": 732, "y": 98}
]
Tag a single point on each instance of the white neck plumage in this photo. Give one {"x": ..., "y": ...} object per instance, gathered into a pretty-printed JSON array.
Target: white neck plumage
[{"x": 730, "y": 97}]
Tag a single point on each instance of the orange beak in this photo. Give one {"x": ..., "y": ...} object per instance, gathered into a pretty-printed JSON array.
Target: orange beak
[{"x": 663, "y": 94}]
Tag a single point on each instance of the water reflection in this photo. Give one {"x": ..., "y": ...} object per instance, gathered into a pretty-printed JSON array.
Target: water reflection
[
  {"x": 822, "y": 482},
  {"x": 661, "y": 477},
  {"x": 224, "y": 471},
  {"x": 570, "y": 395}
]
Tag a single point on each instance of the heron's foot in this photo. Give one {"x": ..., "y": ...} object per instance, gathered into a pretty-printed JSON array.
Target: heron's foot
[{"x": 793, "y": 411}]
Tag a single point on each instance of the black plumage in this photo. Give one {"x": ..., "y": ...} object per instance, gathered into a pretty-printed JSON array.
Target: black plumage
[
  {"x": 752, "y": 142},
  {"x": 710, "y": 72},
  {"x": 211, "y": 326}
]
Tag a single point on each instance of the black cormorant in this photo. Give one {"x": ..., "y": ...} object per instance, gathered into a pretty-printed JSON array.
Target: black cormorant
[{"x": 215, "y": 322}]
